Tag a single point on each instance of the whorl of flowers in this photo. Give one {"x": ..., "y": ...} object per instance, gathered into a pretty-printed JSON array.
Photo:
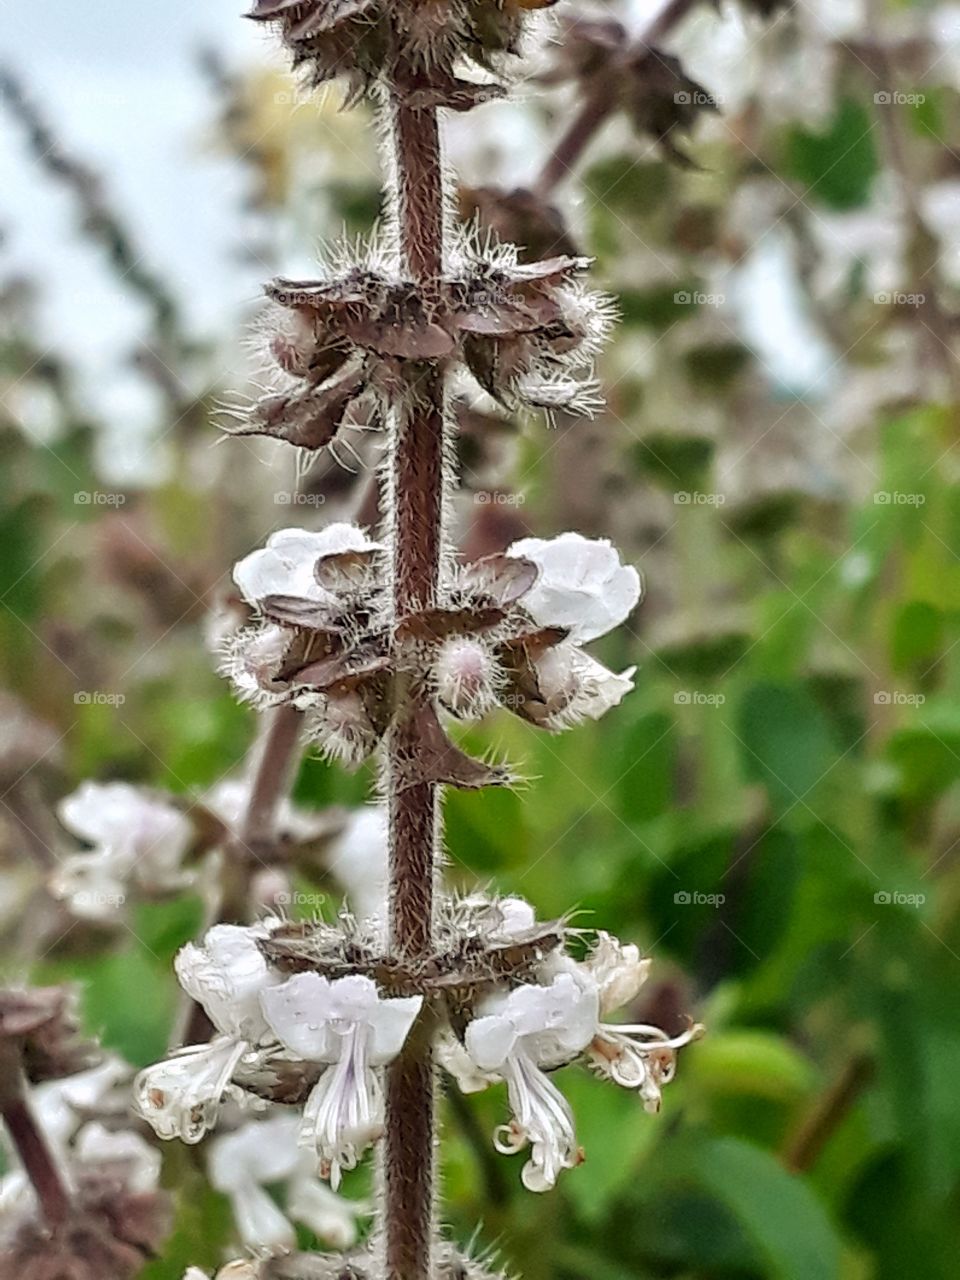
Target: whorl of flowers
[
  {"x": 363, "y": 39},
  {"x": 306, "y": 1013},
  {"x": 145, "y": 845},
  {"x": 627, "y": 74},
  {"x": 510, "y": 634},
  {"x": 527, "y": 333},
  {"x": 80, "y": 1190}
]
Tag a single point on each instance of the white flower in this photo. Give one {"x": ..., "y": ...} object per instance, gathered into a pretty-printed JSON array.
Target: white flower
[
  {"x": 286, "y": 565},
  {"x": 581, "y": 687},
  {"x": 358, "y": 860},
  {"x": 635, "y": 1056},
  {"x": 240, "y": 1164},
  {"x": 230, "y": 798},
  {"x": 350, "y": 1027},
  {"x": 618, "y": 970},
  {"x": 516, "y": 916},
  {"x": 516, "y": 1036},
  {"x": 330, "y": 1217},
  {"x": 181, "y": 1096},
  {"x": 639, "y": 1056},
  {"x": 582, "y": 584},
  {"x": 136, "y": 836},
  {"x": 121, "y": 1150},
  {"x": 62, "y": 1105}
]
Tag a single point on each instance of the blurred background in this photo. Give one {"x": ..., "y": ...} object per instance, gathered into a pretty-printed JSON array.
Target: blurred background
[{"x": 775, "y": 813}]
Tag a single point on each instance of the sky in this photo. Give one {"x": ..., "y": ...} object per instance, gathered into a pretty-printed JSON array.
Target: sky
[{"x": 120, "y": 84}]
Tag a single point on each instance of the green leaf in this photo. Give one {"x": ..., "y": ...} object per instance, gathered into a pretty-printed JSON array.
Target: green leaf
[
  {"x": 838, "y": 165},
  {"x": 758, "y": 1063},
  {"x": 778, "y": 1211},
  {"x": 786, "y": 742}
]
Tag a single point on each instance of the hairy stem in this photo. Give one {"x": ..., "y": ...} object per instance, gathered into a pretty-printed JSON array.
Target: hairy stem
[
  {"x": 29, "y": 1140},
  {"x": 417, "y": 488}
]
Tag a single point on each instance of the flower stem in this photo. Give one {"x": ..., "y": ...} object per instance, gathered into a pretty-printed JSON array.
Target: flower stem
[
  {"x": 30, "y": 1142},
  {"x": 417, "y": 493}
]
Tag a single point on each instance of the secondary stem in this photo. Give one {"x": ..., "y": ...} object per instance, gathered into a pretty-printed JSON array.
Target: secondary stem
[
  {"x": 30, "y": 1142},
  {"x": 600, "y": 103},
  {"x": 273, "y": 758},
  {"x": 417, "y": 489},
  {"x": 575, "y": 140}
]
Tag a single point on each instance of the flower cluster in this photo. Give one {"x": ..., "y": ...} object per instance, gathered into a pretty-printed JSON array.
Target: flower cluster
[
  {"x": 345, "y": 1027},
  {"x": 520, "y": 1035},
  {"x": 528, "y": 333},
  {"x": 647, "y": 84},
  {"x": 511, "y": 633},
  {"x": 523, "y": 1008},
  {"x": 260, "y": 1152},
  {"x": 114, "y": 1216},
  {"x": 146, "y": 845},
  {"x": 138, "y": 838},
  {"x": 367, "y": 39}
]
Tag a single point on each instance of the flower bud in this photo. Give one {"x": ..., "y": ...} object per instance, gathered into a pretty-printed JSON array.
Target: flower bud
[
  {"x": 341, "y": 726},
  {"x": 466, "y": 676}
]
